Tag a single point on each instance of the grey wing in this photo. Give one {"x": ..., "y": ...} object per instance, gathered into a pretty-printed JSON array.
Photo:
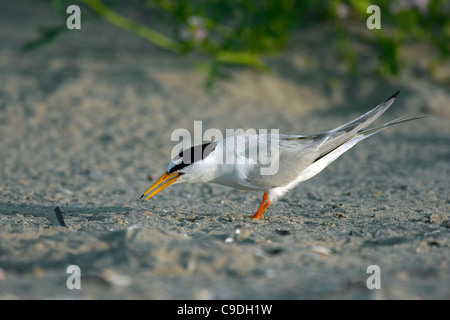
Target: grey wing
[
  {"x": 287, "y": 156},
  {"x": 328, "y": 141},
  {"x": 297, "y": 152}
]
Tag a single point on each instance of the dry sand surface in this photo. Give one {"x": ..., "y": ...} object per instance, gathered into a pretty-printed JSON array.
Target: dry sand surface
[{"x": 85, "y": 124}]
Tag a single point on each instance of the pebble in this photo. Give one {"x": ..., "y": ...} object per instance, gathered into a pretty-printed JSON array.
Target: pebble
[
  {"x": 320, "y": 250},
  {"x": 434, "y": 218},
  {"x": 117, "y": 279},
  {"x": 229, "y": 240}
]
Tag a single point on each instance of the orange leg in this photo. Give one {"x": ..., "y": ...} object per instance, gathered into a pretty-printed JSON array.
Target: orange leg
[{"x": 262, "y": 207}]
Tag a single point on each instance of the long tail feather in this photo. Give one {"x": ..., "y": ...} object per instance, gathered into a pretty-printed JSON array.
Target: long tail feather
[
  {"x": 374, "y": 130},
  {"x": 334, "y": 138},
  {"x": 368, "y": 118}
]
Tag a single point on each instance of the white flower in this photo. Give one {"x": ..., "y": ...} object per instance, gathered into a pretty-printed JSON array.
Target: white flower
[
  {"x": 194, "y": 30},
  {"x": 405, "y": 5},
  {"x": 342, "y": 11}
]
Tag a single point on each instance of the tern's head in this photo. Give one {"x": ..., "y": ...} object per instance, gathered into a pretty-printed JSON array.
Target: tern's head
[{"x": 190, "y": 165}]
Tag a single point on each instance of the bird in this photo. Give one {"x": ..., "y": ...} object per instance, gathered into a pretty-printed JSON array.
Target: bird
[{"x": 296, "y": 158}]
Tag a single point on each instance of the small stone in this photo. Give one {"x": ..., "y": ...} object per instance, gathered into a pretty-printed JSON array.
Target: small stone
[
  {"x": 434, "y": 218},
  {"x": 320, "y": 250},
  {"x": 283, "y": 232},
  {"x": 434, "y": 244},
  {"x": 340, "y": 215},
  {"x": 37, "y": 272},
  {"x": 56, "y": 217},
  {"x": 116, "y": 279},
  {"x": 229, "y": 240}
]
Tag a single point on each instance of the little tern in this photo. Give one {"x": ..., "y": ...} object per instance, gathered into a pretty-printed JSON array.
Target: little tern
[{"x": 298, "y": 158}]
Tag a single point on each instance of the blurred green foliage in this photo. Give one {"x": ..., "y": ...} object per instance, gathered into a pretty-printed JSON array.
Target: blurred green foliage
[{"x": 244, "y": 32}]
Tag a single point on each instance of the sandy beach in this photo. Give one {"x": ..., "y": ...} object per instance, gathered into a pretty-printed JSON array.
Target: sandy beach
[{"x": 86, "y": 124}]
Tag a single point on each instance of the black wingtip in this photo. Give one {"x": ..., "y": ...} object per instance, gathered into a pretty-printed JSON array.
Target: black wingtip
[
  {"x": 395, "y": 95},
  {"x": 141, "y": 197}
]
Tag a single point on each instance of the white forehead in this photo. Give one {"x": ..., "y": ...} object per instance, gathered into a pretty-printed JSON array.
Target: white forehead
[{"x": 173, "y": 163}]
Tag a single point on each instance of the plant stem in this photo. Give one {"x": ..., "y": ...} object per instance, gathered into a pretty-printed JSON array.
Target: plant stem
[
  {"x": 127, "y": 24},
  {"x": 232, "y": 57}
]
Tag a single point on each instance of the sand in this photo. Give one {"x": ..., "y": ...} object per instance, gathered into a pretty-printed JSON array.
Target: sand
[{"x": 86, "y": 124}]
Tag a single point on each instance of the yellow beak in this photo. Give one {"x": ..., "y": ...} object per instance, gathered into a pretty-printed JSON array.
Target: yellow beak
[{"x": 165, "y": 180}]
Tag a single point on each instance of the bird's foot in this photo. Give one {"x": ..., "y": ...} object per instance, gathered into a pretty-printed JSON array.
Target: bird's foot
[{"x": 262, "y": 207}]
